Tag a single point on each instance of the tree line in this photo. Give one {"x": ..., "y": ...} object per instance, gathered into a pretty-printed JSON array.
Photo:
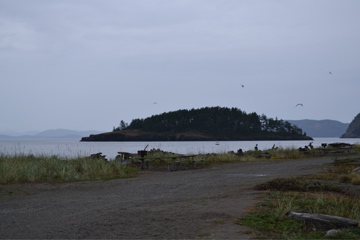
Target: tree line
[{"x": 217, "y": 121}]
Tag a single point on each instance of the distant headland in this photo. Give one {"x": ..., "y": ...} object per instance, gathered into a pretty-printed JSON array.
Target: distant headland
[
  {"x": 353, "y": 130},
  {"x": 204, "y": 124}
]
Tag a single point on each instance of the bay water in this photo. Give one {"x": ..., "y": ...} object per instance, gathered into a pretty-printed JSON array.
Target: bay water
[{"x": 72, "y": 147}]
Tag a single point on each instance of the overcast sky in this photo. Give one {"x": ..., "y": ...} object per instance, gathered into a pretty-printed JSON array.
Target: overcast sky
[{"x": 87, "y": 64}]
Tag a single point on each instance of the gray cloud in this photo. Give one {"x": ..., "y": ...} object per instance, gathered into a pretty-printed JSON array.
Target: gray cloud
[{"x": 89, "y": 64}]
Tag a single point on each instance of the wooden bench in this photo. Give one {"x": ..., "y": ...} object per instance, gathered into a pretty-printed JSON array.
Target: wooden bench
[{"x": 177, "y": 162}]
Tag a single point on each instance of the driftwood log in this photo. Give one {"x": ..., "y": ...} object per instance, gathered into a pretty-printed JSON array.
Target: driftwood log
[
  {"x": 98, "y": 156},
  {"x": 323, "y": 222}
]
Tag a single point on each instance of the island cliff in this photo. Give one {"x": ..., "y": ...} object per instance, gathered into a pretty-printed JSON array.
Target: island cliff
[
  {"x": 205, "y": 124},
  {"x": 353, "y": 130}
]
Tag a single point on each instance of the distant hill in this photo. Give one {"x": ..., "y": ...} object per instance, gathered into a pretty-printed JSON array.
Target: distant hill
[
  {"x": 2, "y": 136},
  {"x": 53, "y": 133},
  {"x": 64, "y": 133},
  {"x": 17, "y": 134},
  {"x": 321, "y": 128},
  {"x": 353, "y": 130},
  {"x": 204, "y": 124}
]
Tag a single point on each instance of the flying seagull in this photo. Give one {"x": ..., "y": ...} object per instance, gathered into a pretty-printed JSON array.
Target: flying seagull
[{"x": 299, "y": 104}]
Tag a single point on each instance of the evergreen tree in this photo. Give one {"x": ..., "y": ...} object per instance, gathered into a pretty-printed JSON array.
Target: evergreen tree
[{"x": 214, "y": 121}]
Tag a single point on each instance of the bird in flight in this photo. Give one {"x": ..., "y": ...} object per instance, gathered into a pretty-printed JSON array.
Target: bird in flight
[
  {"x": 242, "y": 85},
  {"x": 299, "y": 104},
  {"x": 330, "y": 72},
  {"x": 154, "y": 102}
]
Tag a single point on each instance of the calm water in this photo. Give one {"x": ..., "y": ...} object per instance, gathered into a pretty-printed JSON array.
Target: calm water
[{"x": 74, "y": 148}]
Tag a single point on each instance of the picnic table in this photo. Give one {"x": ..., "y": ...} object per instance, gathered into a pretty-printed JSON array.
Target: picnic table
[
  {"x": 124, "y": 156},
  {"x": 181, "y": 162},
  {"x": 174, "y": 163}
]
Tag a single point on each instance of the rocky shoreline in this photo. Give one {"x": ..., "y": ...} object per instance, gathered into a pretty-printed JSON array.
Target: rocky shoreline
[{"x": 136, "y": 135}]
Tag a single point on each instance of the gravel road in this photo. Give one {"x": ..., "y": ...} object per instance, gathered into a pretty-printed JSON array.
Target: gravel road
[{"x": 199, "y": 203}]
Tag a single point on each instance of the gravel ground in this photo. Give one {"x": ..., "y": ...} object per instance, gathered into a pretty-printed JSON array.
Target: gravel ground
[{"x": 200, "y": 203}]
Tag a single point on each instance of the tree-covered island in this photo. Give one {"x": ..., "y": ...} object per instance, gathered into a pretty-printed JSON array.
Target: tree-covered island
[{"x": 204, "y": 124}]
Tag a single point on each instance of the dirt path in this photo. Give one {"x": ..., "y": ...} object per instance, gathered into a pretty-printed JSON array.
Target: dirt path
[{"x": 201, "y": 203}]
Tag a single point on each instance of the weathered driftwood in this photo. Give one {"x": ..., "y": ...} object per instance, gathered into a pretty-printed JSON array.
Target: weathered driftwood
[
  {"x": 98, "y": 156},
  {"x": 321, "y": 221},
  {"x": 341, "y": 145}
]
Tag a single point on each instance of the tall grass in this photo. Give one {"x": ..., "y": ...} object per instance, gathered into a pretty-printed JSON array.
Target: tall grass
[
  {"x": 342, "y": 170},
  {"x": 250, "y": 156},
  {"x": 31, "y": 168},
  {"x": 40, "y": 168},
  {"x": 321, "y": 203}
]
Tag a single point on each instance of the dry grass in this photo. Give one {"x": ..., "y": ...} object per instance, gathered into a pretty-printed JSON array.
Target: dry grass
[{"x": 31, "y": 168}]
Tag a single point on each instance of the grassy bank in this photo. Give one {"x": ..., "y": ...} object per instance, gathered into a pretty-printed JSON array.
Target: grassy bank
[
  {"x": 269, "y": 221},
  {"x": 276, "y": 154},
  {"x": 321, "y": 193},
  {"x": 250, "y": 156},
  {"x": 29, "y": 168}
]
